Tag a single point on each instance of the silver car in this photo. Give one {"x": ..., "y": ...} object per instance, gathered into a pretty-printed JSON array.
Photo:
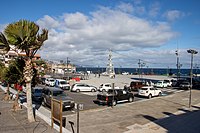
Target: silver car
[{"x": 78, "y": 87}]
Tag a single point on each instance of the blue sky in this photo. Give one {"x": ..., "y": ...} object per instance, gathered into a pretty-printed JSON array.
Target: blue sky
[{"x": 84, "y": 30}]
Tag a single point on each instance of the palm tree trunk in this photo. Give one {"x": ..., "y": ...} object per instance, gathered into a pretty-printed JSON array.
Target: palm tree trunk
[
  {"x": 7, "y": 96},
  {"x": 29, "y": 103},
  {"x": 28, "y": 75}
]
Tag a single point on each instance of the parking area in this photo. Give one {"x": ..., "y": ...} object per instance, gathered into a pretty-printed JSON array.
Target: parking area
[{"x": 87, "y": 98}]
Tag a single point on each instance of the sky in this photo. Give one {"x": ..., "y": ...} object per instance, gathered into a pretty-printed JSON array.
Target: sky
[{"x": 85, "y": 30}]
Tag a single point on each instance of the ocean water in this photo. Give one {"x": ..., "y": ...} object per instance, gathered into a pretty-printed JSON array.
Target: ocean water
[{"x": 156, "y": 71}]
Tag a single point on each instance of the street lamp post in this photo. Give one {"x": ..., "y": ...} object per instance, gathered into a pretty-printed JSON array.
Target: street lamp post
[{"x": 192, "y": 52}]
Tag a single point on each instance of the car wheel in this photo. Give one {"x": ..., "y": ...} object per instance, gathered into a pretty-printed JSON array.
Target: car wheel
[
  {"x": 93, "y": 90},
  {"x": 160, "y": 94},
  {"x": 150, "y": 96},
  {"x": 130, "y": 99},
  {"x": 77, "y": 90},
  {"x": 103, "y": 90},
  {"x": 114, "y": 103}
]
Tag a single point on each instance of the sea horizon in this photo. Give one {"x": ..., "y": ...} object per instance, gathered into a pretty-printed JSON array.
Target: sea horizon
[{"x": 157, "y": 71}]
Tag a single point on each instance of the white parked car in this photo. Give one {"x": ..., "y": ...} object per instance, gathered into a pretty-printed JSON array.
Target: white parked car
[
  {"x": 161, "y": 84},
  {"x": 149, "y": 91},
  {"x": 49, "y": 81},
  {"x": 125, "y": 73},
  {"x": 78, "y": 87},
  {"x": 106, "y": 87}
]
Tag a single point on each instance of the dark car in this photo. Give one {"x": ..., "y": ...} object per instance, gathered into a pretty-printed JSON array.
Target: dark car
[
  {"x": 135, "y": 85},
  {"x": 112, "y": 97},
  {"x": 37, "y": 94},
  {"x": 176, "y": 83},
  {"x": 184, "y": 85},
  {"x": 58, "y": 94}
]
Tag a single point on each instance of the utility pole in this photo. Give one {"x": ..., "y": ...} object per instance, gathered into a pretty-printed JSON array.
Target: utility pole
[
  {"x": 177, "y": 62},
  {"x": 139, "y": 71},
  {"x": 67, "y": 63}
]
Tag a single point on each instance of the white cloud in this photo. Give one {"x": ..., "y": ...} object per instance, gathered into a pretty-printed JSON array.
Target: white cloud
[
  {"x": 86, "y": 38},
  {"x": 154, "y": 9},
  {"x": 48, "y": 22},
  {"x": 125, "y": 7},
  {"x": 75, "y": 20},
  {"x": 173, "y": 15}
]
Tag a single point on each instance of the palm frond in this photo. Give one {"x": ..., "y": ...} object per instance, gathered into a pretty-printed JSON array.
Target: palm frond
[{"x": 4, "y": 45}]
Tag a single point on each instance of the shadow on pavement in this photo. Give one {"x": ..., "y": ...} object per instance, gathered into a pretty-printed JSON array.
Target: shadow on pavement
[
  {"x": 187, "y": 122},
  {"x": 146, "y": 79}
]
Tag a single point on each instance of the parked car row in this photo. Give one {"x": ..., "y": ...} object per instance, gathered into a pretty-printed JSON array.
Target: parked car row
[
  {"x": 185, "y": 83},
  {"x": 60, "y": 83}
]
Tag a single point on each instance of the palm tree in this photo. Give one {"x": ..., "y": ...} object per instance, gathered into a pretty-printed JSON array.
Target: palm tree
[{"x": 24, "y": 35}]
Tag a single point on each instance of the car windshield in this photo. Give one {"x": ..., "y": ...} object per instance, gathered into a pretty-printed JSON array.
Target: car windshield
[
  {"x": 51, "y": 80},
  {"x": 110, "y": 91},
  {"x": 38, "y": 91},
  {"x": 63, "y": 82},
  {"x": 56, "y": 93},
  {"x": 144, "y": 89}
]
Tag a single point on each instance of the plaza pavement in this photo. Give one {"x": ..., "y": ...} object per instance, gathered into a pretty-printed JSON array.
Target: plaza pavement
[{"x": 120, "y": 80}]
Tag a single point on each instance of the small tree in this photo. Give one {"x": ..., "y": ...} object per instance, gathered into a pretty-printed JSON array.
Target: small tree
[
  {"x": 13, "y": 74},
  {"x": 24, "y": 35}
]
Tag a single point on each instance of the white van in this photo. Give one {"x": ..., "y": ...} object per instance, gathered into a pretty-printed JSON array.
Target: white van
[{"x": 61, "y": 83}]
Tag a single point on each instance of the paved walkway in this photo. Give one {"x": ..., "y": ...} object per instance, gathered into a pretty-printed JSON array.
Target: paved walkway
[
  {"x": 17, "y": 122},
  {"x": 183, "y": 121}
]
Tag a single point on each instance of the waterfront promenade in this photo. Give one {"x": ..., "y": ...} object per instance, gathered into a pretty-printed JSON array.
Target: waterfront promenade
[{"x": 157, "y": 115}]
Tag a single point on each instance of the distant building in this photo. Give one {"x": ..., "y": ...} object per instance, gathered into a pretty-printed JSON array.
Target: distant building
[
  {"x": 13, "y": 54},
  {"x": 61, "y": 68}
]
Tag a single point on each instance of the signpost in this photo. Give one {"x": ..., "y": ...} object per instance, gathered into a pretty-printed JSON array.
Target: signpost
[
  {"x": 78, "y": 107},
  {"x": 56, "y": 112}
]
